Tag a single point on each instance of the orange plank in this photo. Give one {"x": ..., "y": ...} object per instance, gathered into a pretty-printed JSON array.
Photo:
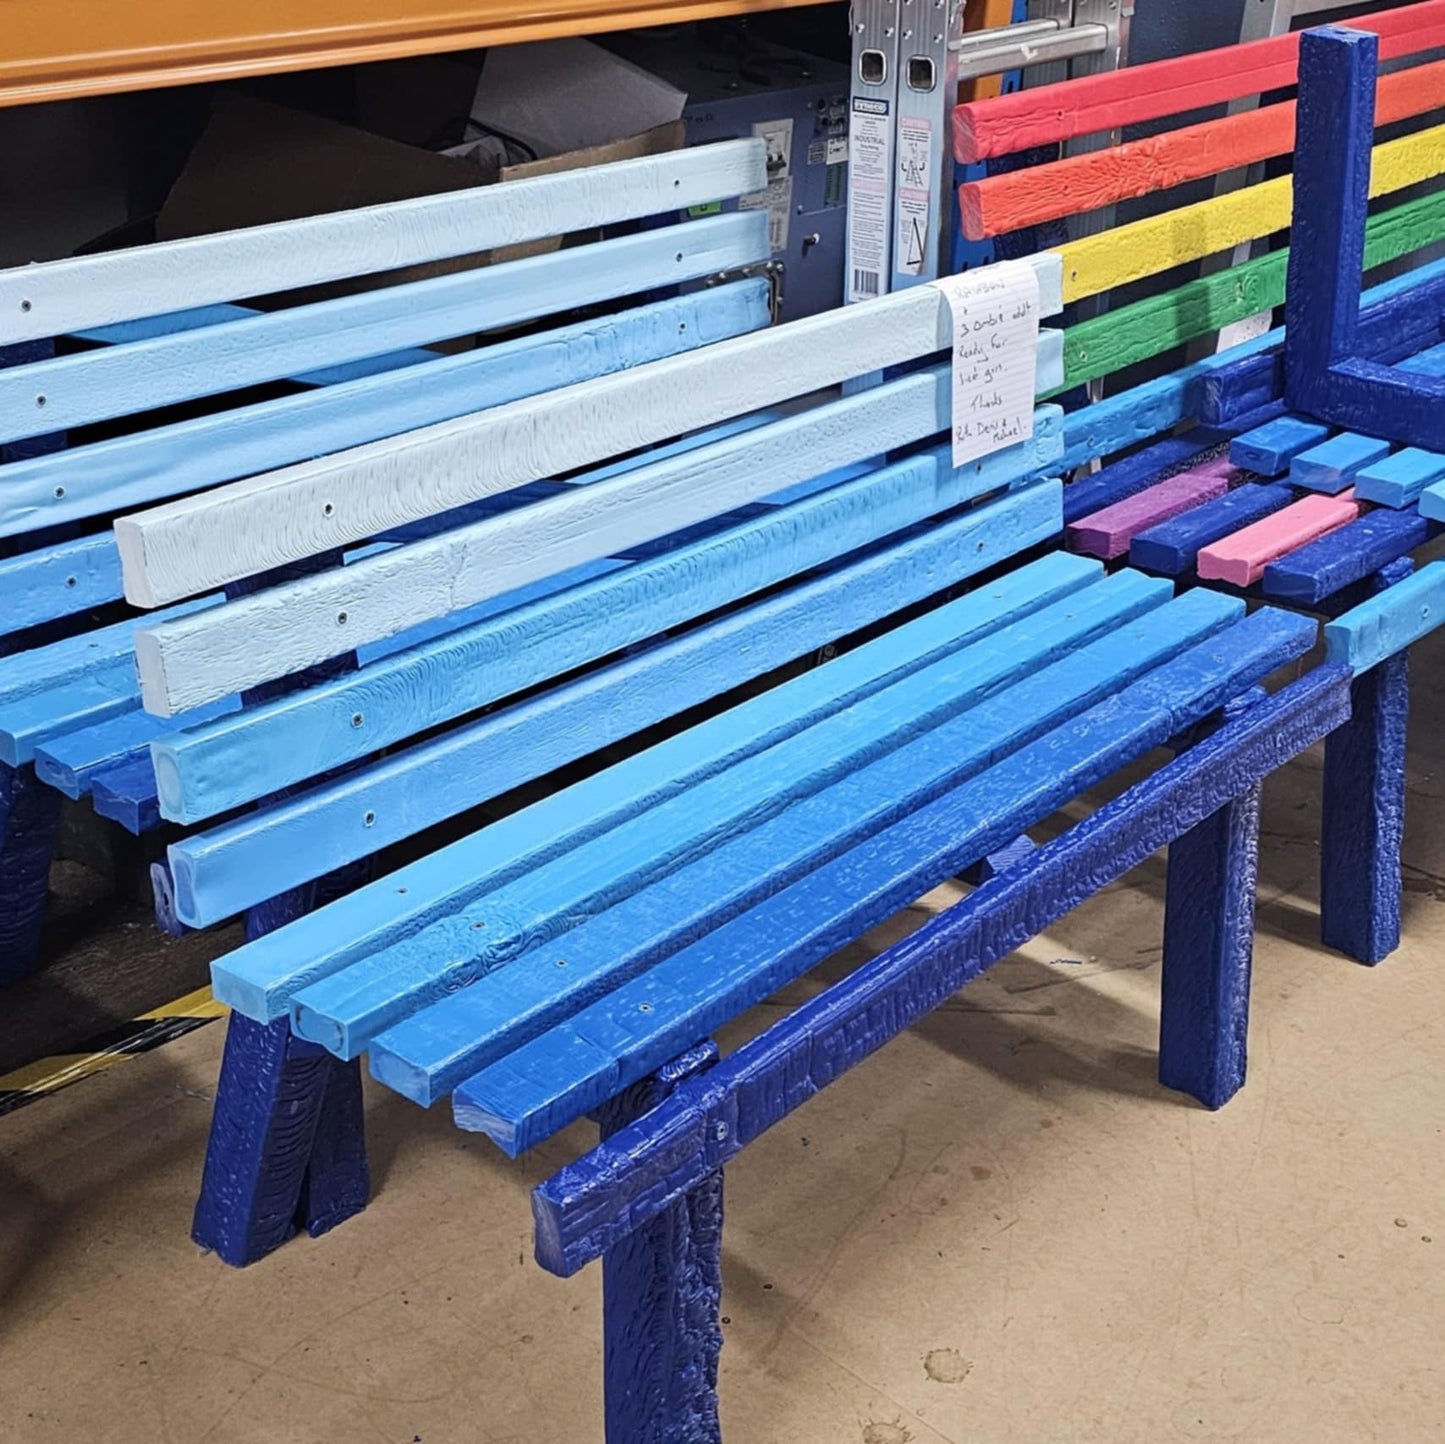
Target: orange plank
[
  {"x": 1096, "y": 103},
  {"x": 984, "y": 15},
  {"x": 1083, "y": 183},
  {"x": 61, "y": 49}
]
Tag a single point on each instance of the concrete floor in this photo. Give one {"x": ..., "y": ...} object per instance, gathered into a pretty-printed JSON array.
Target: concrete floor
[{"x": 997, "y": 1231}]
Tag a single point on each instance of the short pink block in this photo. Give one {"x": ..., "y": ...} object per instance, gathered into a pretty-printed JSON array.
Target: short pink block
[
  {"x": 1106, "y": 533},
  {"x": 1242, "y": 557}
]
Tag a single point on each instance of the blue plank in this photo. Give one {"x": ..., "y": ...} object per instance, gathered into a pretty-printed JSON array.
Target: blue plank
[
  {"x": 1329, "y": 466},
  {"x": 702, "y": 1126},
  {"x": 1432, "y": 501},
  {"x": 1389, "y": 622},
  {"x": 1398, "y": 480},
  {"x": 58, "y": 581},
  {"x": 132, "y": 470},
  {"x": 262, "y": 750},
  {"x": 29, "y": 819},
  {"x": 647, "y": 925},
  {"x": 1326, "y": 566},
  {"x": 227, "y": 868},
  {"x": 1170, "y": 548},
  {"x": 182, "y": 366},
  {"x": 1137, "y": 472},
  {"x": 125, "y": 792},
  {"x": 430, "y": 1052},
  {"x": 1269, "y": 449}
]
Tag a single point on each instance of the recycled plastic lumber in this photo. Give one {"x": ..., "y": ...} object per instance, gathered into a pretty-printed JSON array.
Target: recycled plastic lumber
[
  {"x": 1114, "y": 99},
  {"x": 218, "y": 872},
  {"x": 1242, "y": 557},
  {"x": 284, "y": 516},
  {"x": 164, "y": 461},
  {"x": 1330, "y": 466},
  {"x": 1107, "y": 534},
  {"x": 58, "y": 581},
  {"x": 59, "y": 298},
  {"x": 1269, "y": 450},
  {"x": 1401, "y": 478},
  {"x": 589, "y": 1204},
  {"x": 1172, "y": 547},
  {"x": 1388, "y": 622},
  {"x": 1094, "y": 179},
  {"x": 1324, "y": 568}
]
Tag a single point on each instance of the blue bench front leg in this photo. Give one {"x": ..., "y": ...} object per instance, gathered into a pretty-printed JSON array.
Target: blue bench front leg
[
  {"x": 29, "y": 818},
  {"x": 1209, "y": 947},
  {"x": 1363, "y": 825},
  {"x": 662, "y": 1294}
]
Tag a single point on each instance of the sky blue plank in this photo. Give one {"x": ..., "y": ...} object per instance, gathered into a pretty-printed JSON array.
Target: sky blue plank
[
  {"x": 1270, "y": 448},
  {"x": 185, "y": 456},
  {"x": 1425, "y": 363},
  {"x": 431, "y": 1051},
  {"x": 551, "y": 1080},
  {"x": 1432, "y": 501},
  {"x": 1347, "y": 555},
  {"x": 1170, "y": 549},
  {"x": 658, "y": 1158},
  {"x": 1329, "y": 466},
  {"x": 123, "y": 792},
  {"x": 216, "y": 768},
  {"x": 344, "y": 1011},
  {"x": 27, "y": 722},
  {"x": 222, "y": 871},
  {"x": 124, "y": 380},
  {"x": 1398, "y": 480},
  {"x": 58, "y": 581},
  {"x": 260, "y": 978},
  {"x": 1389, "y": 622}
]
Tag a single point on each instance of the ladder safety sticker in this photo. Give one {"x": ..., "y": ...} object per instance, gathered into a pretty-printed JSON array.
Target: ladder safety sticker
[
  {"x": 995, "y": 314},
  {"x": 870, "y": 174},
  {"x": 915, "y": 169}
]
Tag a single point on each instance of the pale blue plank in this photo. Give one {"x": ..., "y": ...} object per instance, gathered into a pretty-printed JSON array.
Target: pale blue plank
[
  {"x": 226, "y": 869},
  {"x": 27, "y": 722},
  {"x": 1432, "y": 501},
  {"x": 1271, "y": 448},
  {"x": 92, "y": 386},
  {"x": 58, "y": 581},
  {"x": 264, "y": 749},
  {"x": 1329, "y": 466},
  {"x": 1389, "y": 622},
  {"x": 261, "y": 977},
  {"x": 186, "y": 456},
  {"x": 1398, "y": 480}
]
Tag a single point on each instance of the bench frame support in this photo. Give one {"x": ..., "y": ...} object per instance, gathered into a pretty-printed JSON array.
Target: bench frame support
[{"x": 29, "y": 821}]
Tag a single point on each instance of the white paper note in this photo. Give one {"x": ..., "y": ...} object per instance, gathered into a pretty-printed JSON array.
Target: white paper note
[{"x": 995, "y": 356}]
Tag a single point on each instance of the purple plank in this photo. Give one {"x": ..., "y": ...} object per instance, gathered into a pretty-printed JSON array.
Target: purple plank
[{"x": 1106, "y": 534}]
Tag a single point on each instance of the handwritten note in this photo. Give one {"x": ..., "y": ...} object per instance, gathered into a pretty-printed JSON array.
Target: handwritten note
[{"x": 995, "y": 350}]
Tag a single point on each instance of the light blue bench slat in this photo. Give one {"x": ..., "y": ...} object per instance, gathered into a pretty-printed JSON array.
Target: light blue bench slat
[
  {"x": 435, "y": 1048},
  {"x": 782, "y": 812},
  {"x": 226, "y": 764},
  {"x": 1425, "y": 363},
  {"x": 1271, "y": 448},
  {"x": 570, "y": 1069},
  {"x": 1389, "y": 622},
  {"x": 62, "y": 297},
  {"x": 57, "y": 581},
  {"x": 1398, "y": 480},
  {"x": 1357, "y": 550},
  {"x": 221, "y": 871},
  {"x": 260, "y": 979},
  {"x": 1172, "y": 547},
  {"x": 103, "y": 691},
  {"x": 1329, "y": 466},
  {"x": 186, "y": 456},
  {"x": 143, "y": 376}
]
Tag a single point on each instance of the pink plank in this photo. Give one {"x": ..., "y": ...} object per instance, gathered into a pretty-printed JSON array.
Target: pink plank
[
  {"x": 1106, "y": 533},
  {"x": 1242, "y": 557}
]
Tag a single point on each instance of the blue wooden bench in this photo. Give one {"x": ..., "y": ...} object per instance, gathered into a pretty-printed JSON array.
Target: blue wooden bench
[{"x": 159, "y": 328}]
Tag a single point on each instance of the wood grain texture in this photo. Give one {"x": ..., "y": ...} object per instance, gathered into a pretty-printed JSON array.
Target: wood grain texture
[
  {"x": 1108, "y": 533},
  {"x": 145, "y": 375},
  {"x": 222, "y": 870},
  {"x": 1109, "y": 101},
  {"x": 1389, "y": 622},
  {"x": 61, "y": 297},
  {"x": 647, "y": 1166},
  {"x": 1078, "y": 184},
  {"x": 130, "y": 471},
  {"x": 58, "y": 581},
  {"x": 255, "y": 525},
  {"x": 1242, "y": 557}
]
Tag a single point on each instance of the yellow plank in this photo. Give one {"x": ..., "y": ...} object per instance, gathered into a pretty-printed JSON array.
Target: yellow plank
[{"x": 1146, "y": 248}]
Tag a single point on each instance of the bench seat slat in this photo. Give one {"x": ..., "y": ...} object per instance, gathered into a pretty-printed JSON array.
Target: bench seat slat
[
  {"x": 261, "y": 978},
  {"x": 57, "y": 581},
  {"x": 1269, "y": 449},
  {"x": 431, "y": 1051},
  {"x": 1171, "y": 548},
  {"x": 1242, "y": 557},
  {"x": 572, "y": 1068},
  {"x": 62, "y": 297},
  {"x": 1390, "y": 622},
  {"x": 143, "y": 376},
  {"x": 264, "y": 749},
  {"x": 221, "y": 871},
  {"x": 1330, "y": 466},
  {"x": 100, "y": 692},
  {"x": 1106, "y": 534},
  {"x": 253, "y": 526},
  {"x": 1398, "y": 480},
  {"x": 165, "y": 461},
  {"x": 1337, "y": 560},
  {"x": 738, "y": 798}
]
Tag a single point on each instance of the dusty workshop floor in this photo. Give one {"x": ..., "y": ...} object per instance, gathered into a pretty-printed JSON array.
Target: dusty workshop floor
[{"x": 998, "y": 1231}]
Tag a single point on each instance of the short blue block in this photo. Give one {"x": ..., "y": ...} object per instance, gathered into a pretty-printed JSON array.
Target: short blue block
[
  {"x": 1389, "y": 622},
  {"x": 1398, "y": 480},
  {"x": 1329, "y": 466},
  {"x": 1271, "y": 448}
]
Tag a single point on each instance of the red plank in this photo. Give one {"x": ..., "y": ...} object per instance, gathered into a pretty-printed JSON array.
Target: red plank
[
  {"x": 1081, "y": 183},
  {"x": 1095, "y": 103}
]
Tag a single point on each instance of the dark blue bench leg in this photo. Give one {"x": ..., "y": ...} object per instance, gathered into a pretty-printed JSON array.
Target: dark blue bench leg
[
  {"x": 662, "y": 1292},
  {"x": 29, "y": 818},
  {"x": 1209, "y": 948}
]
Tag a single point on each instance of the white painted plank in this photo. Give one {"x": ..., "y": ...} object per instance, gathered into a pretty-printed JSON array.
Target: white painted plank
[{"x": 61, "y": 297}]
